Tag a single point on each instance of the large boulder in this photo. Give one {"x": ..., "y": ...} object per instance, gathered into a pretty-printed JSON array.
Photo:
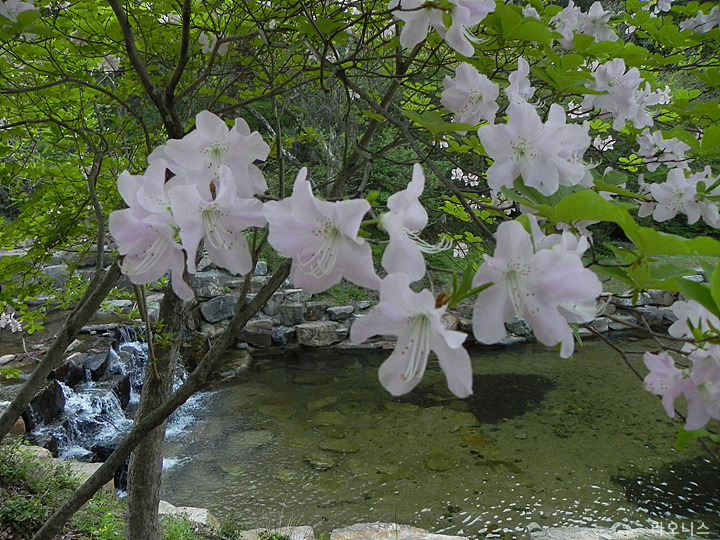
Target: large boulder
[
  {"x": 318, "y": 333},
  {"x": 72, "y": 370},
  {"x": 45, "y": 406},
  {"x": 202, "y": 516},
  {"x": 219, "y": 308},
  {"x": 257, "y": 332}
]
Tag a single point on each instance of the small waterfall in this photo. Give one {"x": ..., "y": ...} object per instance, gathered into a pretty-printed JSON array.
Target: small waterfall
[{"x": 98, "y": 411}]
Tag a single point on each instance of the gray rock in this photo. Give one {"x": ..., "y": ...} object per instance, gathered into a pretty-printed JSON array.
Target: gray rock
[
  {"x": 58, "y": 275},
  {"x": 620, "y": 319},
  {"x": 377, "y": 531},
  {"x": 668, "y": 314},
  {"x": 258, "y": 282},
  {"x": 342, "y": 332},
  {"x": 201, "y": 516},
  {"x": 261, "y": 268},
  {"x": 96, "y": 364},
  {"x": 601, "y": 324},
  {"x": 340, "y": 313},
  {"x": 282, "y": 335},
  {"x": 212, "y": 283},
  {"x": 291, "y": 314},
  {"x": 594, "y": 533},
  {"x": 72, "y": 371},
  {"x": 317, "y": 334},
  {"x": 363, "y": 304},
  {"x": 315, "y": 311},
  {"x": 657, "y": 298},
  {"x": 518, "y": 326},
  {"x": 211, "y": 330},
  {"x": 45, "y": 406},
  {"x": 272, "y": 306},
  {"x": 297, "y": 295},
  {"x": 257, "y": 332},
  {"x": 651, "y": 314},
  {"x": 219, "y": 308},
  {"x": 304, "y": 532}
]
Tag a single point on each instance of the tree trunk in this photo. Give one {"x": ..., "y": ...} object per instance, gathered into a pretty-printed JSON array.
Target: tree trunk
[{"x": 142, "y": 522}]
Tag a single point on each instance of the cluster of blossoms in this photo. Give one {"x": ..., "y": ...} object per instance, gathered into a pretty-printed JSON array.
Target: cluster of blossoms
[
  {"x": 572, "y": 20},
  {"x": 212, "y": 197},
  {"x": 695, "y": 196},
  {"x": 8, "y": 320},
  {"x": 656, "y": 150},
  {"x": 702, "y": 22},
  {"x": 205, "y": 187},
  {"x": 623, "y": 97},
  {"x": 699, "y": 383}
]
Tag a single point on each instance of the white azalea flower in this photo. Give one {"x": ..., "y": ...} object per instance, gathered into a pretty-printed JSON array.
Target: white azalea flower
[{"x": 417, "y": 323}]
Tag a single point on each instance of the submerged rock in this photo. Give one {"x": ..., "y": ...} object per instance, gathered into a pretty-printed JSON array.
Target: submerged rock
[
  {"x": 320, "y": 461},
  {"x": 341, "y": 446}
]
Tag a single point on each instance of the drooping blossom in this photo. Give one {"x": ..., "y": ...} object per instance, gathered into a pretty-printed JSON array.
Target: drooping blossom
[
  {"x": 419, "y": 18},
  {"x": 546, "y": 156},
  {"x": 700, "y": 384},
  {"x": 470, "y": 95},
  {"x": 417, "y": 323},
  {"x": 519, "y": 89},
  {"x": 679, "y": 193},
  {"x": 547, "y": 286},
  {"x": 10, "y": 9},
  {"x": 406, "y": 218},
  {"x": 220, "y": 221},
  {"x": 702, "y": 390},
  {"x": 664, "y": 379},
  {"x": 625, "y": 98},
  {"x": 147, "y": 243},
  {"x": 322, "y": 239},
  {"x": 146, "y": 231},
  {"x": 200, "y": 154},
  {"x": 657, "y": 150}
]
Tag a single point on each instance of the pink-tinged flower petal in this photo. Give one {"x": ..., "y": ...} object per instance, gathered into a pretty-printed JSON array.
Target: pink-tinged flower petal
[
  {"x": 470, "y": 95},
  {"x": 220, "y": 222},
  {"x": 664, "y": 379},
  {"x": 549, "y": 287},
  {"x": 212, "y": 144},
  {"x": 149, "y": 249},
  {"x": 455, "y": 363},
  {"x": 415, "y": 320},
  {"x": 406, "y": 218},
  {"x": 321, "y": 237}
]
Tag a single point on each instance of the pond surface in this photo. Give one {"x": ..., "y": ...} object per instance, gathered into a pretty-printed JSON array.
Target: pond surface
[{"x": 315, "y": 440}]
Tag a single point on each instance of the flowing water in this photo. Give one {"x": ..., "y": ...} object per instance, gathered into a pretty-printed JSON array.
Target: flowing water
[{"x": 315, "y": 440}]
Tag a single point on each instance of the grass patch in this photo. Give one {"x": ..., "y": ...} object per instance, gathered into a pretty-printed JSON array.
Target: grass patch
[{"x": 31, "y": 489}]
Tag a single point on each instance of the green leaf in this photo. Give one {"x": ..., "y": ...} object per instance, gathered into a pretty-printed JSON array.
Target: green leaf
[
  {"x": 373, "y": 115},
  {"x": 710, "y": 144},
  {"x": 684, "y": 437}
]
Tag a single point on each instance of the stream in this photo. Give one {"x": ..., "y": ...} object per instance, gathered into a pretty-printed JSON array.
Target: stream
[{"x": 313, "y": 439}]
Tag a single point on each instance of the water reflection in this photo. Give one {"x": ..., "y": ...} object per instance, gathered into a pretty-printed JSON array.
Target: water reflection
[{"x": 315, "y": 440}]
